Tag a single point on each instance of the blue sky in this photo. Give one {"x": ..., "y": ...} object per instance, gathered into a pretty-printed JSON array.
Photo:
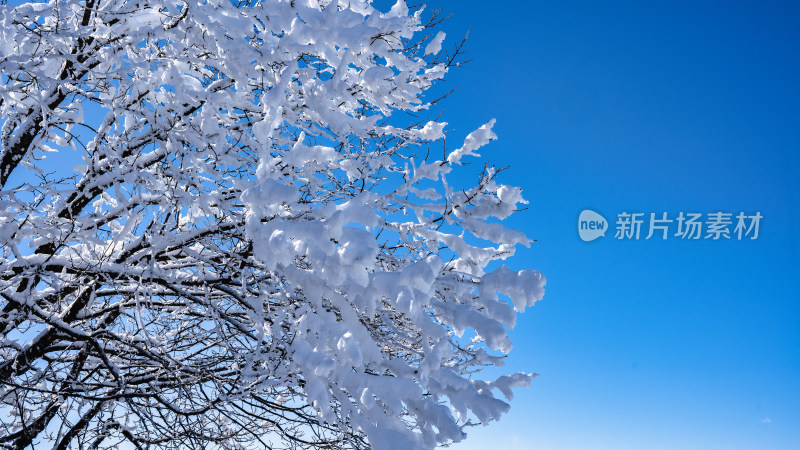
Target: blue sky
[{"x": 645, "y": 107}]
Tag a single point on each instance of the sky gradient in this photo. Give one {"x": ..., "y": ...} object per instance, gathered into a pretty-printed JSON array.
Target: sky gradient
[
  {"x": 665, "y": 107},
  {"x": 660, "y": 107}
]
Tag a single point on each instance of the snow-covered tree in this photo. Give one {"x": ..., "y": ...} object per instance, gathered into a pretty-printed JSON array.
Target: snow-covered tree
[{"x": 258, "y": 246}]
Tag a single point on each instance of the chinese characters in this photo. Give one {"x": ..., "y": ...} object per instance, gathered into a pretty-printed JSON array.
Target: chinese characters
[{"x": 688, "y": 226}]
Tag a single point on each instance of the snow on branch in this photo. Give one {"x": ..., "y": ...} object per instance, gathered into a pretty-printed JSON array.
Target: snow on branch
[{"x": 220, "y": 229}]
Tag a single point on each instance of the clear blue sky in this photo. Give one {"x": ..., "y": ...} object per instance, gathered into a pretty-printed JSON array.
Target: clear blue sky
[{"x": 647, "y": 107}]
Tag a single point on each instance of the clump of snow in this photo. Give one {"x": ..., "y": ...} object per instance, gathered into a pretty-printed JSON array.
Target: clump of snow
[{"x": 435, "y": 45}]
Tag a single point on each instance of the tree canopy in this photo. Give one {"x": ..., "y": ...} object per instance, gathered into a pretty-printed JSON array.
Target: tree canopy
[{"x": 259, "y": 246}]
